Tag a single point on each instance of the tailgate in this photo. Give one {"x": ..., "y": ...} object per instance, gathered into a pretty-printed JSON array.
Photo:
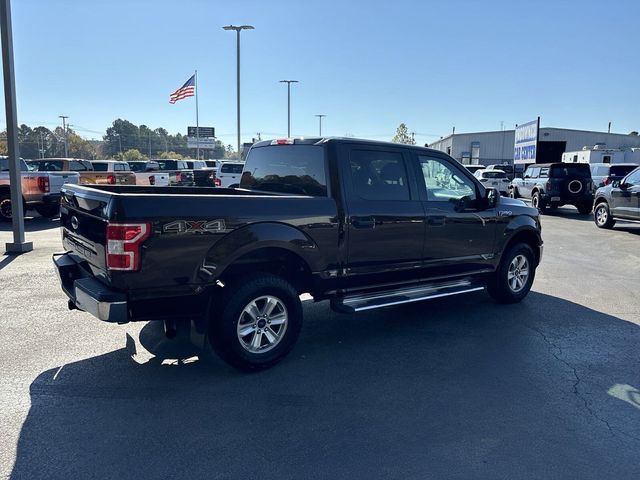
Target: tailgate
[
  {"x": 58, "y": 179},
  {"x": 84, "y": 214}
]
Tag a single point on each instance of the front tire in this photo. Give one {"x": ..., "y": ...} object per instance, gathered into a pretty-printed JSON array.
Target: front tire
[
  {"x": 259, "y": 321},
  {"x": 514, "y": 193},
  {"x": 602, "y": 216},
  {"x": 513, "y": 279}
]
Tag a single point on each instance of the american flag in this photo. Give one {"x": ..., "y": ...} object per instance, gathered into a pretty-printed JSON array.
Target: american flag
[{"x": 187, "y": 90}]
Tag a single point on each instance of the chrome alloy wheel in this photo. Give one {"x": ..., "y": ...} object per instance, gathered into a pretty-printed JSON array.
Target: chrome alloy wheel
[
  {"x": 518, "y": 273},
  {"x": 262, "y": 324},
  {"x": 602, "y": 215}
]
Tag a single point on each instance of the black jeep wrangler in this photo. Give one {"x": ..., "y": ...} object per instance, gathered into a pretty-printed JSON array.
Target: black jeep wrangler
[{"x": 554, "y": 185}]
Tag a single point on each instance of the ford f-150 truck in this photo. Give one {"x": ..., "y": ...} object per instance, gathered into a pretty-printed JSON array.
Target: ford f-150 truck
[
  {"x": 363, "y": 224},
  {"x": 40, "y": 190}
]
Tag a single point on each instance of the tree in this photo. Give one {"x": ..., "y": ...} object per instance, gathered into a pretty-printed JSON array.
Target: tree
[
  {"x": 230, "y": 153},
  {"x": 402, "y": 135},
  {"x": 170, "y": 156},
  {"x": 130, "y": 155}
]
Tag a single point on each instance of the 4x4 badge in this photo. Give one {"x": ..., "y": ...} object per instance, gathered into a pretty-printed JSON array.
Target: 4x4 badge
[{"x": 194, "y": 226}]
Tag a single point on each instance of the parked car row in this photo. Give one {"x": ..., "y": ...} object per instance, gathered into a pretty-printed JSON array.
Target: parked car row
[
  {"x": 611, "y": 191},
  {"x": 43, "y": 178}
]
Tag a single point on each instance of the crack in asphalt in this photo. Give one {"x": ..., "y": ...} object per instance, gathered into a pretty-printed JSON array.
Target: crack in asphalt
[{"x": 577, "y": 381}]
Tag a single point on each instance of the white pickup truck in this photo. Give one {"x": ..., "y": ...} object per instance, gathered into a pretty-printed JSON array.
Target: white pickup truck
[
  {"x": 40, "y": 190},
  {"x": 147, "y": 173}
]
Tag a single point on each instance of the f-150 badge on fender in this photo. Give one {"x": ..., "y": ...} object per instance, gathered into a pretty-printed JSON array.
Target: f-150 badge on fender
[{"x": 194, "y": 226}]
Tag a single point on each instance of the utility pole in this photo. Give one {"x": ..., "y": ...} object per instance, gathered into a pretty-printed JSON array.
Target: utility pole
[
  {"x": 238, "y": 29},
  {"x": 609, "y": 129},
  {"x": 14, "y": 206},
  {"x": 66, "y": 136},
  {"x": 288, "y": 82},
  {"x": 413, "y": 138},
  {"x": 320, "y": 116}
]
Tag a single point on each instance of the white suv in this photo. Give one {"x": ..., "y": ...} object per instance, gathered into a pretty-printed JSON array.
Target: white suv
[{"x": 228, "y": 175}]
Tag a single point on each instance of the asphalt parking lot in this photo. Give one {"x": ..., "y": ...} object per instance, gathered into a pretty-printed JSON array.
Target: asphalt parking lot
[{"x": 453, "y": 388}]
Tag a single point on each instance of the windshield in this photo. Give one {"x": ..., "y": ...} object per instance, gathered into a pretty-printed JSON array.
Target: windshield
[
  {"x": 232, "y": 168},
  {"x": 494, "y": 174},
  {"x": 4, "y": 165},
  {"x": 294, "y": 169},
  {"x": 566, "y": 171},
  {"x": 100, "y": 167},
  {"x": 621, "y": 170},
  {"x": 137, "y": 166}
]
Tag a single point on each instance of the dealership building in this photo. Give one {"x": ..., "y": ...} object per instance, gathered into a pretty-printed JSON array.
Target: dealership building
[{"x": 485, "y": 148}]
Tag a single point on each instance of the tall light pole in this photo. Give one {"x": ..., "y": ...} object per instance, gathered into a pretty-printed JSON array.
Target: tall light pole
[
  {"x": 320, "y": 119},
  {"x": 288, "y": 82},
  {"x": 238, "y": 29},
  {"x": 64, "y": 129}
]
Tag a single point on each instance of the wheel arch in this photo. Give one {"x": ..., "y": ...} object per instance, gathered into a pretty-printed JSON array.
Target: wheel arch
[
  {"x": 268, "y": 247},
  {"x": 523, "y": 230}
]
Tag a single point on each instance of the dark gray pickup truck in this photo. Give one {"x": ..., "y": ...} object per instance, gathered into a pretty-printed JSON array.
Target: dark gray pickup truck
[{"x": 363, "y": 224}]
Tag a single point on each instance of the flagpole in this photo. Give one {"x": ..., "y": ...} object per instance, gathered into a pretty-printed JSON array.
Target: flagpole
[{"x": 197, "y": 121}]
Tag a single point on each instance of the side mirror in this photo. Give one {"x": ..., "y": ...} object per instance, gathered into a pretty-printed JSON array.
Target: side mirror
[
  {"x": 491, "y": 197},
  {"x": 527, "y": 176}
]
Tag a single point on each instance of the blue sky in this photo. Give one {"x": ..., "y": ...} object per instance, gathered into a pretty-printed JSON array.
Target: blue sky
[{"x": 367, "y": 65}]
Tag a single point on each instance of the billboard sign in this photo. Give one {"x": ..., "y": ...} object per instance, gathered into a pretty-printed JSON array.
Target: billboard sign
[
  {"x": 193, "y": 142},
  {"x": 205, "y": 132},
  {"x": 526, "y": 142}
]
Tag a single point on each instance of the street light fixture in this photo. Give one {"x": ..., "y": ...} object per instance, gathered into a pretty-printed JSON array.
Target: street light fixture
[
  {"x": 320, "y": 115},
  {"x": 238, "y": 29},
  {"x": 289, "y": 82}
]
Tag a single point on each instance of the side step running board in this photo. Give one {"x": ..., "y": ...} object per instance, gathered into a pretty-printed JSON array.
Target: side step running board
[{"x": 369, "y": 301}]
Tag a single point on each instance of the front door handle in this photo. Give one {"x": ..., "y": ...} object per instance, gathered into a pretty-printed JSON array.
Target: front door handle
[{"x": 363, "y": 222}]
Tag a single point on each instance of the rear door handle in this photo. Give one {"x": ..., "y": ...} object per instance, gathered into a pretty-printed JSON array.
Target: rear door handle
[{"x": 363, "y": 222}]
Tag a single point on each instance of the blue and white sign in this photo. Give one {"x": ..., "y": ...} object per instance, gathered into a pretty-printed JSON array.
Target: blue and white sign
[{"x": 526, "y": 142}]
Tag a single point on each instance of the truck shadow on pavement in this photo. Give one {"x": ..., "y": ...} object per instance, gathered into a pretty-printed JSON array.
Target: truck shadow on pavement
[
  {"x": 456, "y": 387},
  {"x": 33, "y": 224}
]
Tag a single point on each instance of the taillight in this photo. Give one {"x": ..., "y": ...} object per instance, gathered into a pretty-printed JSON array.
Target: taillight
[
  {"x": 547, "y": 185},
  {"x": 152, "y": 179},
  {"x": 43, "y": 184},
  {"x": 123, "y": 245},
  {"x": 178, "y": 177},
  {"x": 218, "y": 182},
  {"x": 606, "y": 181},
  {"x": 111, "y": 179}
]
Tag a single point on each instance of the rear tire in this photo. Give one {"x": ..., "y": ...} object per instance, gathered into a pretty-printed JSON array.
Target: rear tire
[
  {"x": 602, "y": 216},
  {"x": 514, "y": 193},
  {"x": 514, "y": 277},
  {"x": 584, "y": 209},
  {"x": 537, "y": 202},
  {"x": 48, "y": 211},
  {"x": 5, "y": 208},
  {"x": 244, "y": 332}
]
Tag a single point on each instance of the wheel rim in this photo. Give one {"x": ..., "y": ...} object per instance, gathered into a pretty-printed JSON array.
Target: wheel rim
[
  {"x": 5, "y": 208},
  {"x": 518, "y": 273},
  {"x": 601, "y": 216},
  {"x": 262, "y": 324}
]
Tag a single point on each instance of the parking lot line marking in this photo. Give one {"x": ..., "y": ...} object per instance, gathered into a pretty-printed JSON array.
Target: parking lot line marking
[{"x": 56, "y": 375}]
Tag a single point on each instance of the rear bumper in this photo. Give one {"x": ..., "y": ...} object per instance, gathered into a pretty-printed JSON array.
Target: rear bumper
[
  {"x": 87, "y": 293},
  {"x": 566, "y": 200}
]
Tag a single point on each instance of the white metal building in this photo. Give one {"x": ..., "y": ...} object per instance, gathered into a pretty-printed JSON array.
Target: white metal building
[{"x": 485, "y": 148}]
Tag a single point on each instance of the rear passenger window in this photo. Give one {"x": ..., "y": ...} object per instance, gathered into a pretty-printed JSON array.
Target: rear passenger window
[
  {"x": 378, "y": 175},
  {"x": 544, "y": 172}
]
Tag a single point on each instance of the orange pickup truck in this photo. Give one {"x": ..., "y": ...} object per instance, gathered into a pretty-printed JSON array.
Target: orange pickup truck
[{"x": 102, "y": 172}]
